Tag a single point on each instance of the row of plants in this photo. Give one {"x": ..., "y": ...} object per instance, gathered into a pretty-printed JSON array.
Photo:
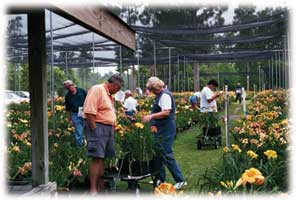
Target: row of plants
[
  {"x": 68, "y": 164},
  {"x": 257, "y": 160}
]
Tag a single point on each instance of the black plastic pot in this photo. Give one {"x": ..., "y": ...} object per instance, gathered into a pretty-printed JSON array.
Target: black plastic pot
[{"x": 138, "y": 168}]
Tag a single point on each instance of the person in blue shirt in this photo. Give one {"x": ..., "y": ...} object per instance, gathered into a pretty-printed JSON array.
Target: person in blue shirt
[
  {"x": 193, "y": 99},
  {"x": 163, "y": 126},
  {"x": 74, "y": 101}
]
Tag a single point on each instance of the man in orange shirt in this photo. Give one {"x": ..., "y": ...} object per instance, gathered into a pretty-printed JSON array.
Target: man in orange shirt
[{"x": 99, "y": 115}]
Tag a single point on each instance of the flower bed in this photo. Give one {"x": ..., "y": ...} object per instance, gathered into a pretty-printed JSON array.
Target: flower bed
[
  {"x": 257, "y": 160},
  {"x": 68, "y": 165}
]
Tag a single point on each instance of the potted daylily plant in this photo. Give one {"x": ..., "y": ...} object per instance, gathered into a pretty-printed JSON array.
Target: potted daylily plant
[
  {"x": 136, "y": 144},
  {"x": 211, "y": 130}
]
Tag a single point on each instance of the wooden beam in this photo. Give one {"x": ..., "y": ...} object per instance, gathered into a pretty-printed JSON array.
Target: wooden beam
[
  {"x": 100, "y": 21},
  {"x": 38, "y": 96},
  {"x": 47, "y": 189}
]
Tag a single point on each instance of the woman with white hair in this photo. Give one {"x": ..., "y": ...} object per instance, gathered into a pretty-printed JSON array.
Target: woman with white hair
[{"x": 163, "y": 125}]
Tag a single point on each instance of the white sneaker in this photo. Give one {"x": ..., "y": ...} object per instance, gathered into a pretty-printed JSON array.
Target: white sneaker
[
  {"x": 179, "y": 185},
  {"x": 158, "y": 182}
]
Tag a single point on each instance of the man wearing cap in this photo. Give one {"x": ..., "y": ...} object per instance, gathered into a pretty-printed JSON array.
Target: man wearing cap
[
  {"x": 74, "y": 101},
  {"x": 130, "y": 105},
  {"x": 100, "y": 118}
]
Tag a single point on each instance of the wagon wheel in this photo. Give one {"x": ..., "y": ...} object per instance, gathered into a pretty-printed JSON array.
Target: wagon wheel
[
  {"x": 216, "y": 144},
  {"x": 198, "y": 144}
]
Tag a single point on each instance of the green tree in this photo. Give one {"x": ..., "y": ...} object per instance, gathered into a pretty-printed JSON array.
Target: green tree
[
  {"x": 84, "y": 71},
  {"x": 245, "y": 14},
  {"x": 179, "y": 17}
]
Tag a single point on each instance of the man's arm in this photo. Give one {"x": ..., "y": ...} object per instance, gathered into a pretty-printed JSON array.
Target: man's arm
[
  {"x": 68, "y": 113},
  {"x": 213, "y": 98},
  {"x": 91, "y": 120}
]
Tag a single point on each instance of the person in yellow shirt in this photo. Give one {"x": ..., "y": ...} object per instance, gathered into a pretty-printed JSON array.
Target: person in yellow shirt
[{"x": 100, "y": 118}]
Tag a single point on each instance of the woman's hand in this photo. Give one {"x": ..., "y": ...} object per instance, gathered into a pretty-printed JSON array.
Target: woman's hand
[
  {"x": 153, "y": 129},
  {"x": 147, "y": 118}
]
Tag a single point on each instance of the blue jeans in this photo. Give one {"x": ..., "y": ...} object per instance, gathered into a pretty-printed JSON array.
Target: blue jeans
[
  {"x": 78, "y": 125},
  {"x": 164, "y": 139}
]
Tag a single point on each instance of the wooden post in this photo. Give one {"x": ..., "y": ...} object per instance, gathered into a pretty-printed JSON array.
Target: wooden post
[
  {"x": 38, "y": 96},
  {"x": 133, "y": 79}
]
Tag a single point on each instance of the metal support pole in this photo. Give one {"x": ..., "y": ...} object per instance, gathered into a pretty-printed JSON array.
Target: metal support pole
[
  {"x": 283, "y": 70},
  {"x": 164, "y": 73},
  {"x": 52, "y": 75},
  {"x": 170, "y": 75},
  {"x": 218, "y": 78},
  {"x": 154, "y": 55},
  {"x": 285, "y": 63},
  {"x": 184, "y": 78},
  {"x": 67, "y": 69},
  {"x": 272, "y": 74},
  {"x": 187, "y": 70},
  {"x": 259, "y": 70},
  {"x": 15, "y": 72},
  {"x": 120, "y": 57},
  {"x": 264, "y": 80},
  {"x": 248, "y": 77},
  {"x": 174, "y": 85},
  {"x": 276, "y": 71},
  {"x": 128, "y": 78},
  {"x": 138, "y": 62},
  {"x": 269, "y": 74},
  {"x": 93, "y": 49},
  {"x": 178, "y": 74},
  {"x": 279, "y": 70},
  {"x": 244, "y": 101},
  {"x": 248, "y": 82},
  {"x": 19, "y": 77},
  {"x": 227, "y": 117},
  {"x": 254, "y": 87},
  {"x": 289, "y": 70}
]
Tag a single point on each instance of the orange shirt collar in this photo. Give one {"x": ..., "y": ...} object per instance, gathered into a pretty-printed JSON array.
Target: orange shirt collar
[{"x": 107, "y": 90}]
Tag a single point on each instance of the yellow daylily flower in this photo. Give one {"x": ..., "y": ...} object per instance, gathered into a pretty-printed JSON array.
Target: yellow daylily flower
[
  {"x": 252, "y": 154},
  {"x": 139, "y": 125},
  {"x": 270, "y": 154},
  {"x": 235, "y": 147},
  {"x": 251, "y": 176}
]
